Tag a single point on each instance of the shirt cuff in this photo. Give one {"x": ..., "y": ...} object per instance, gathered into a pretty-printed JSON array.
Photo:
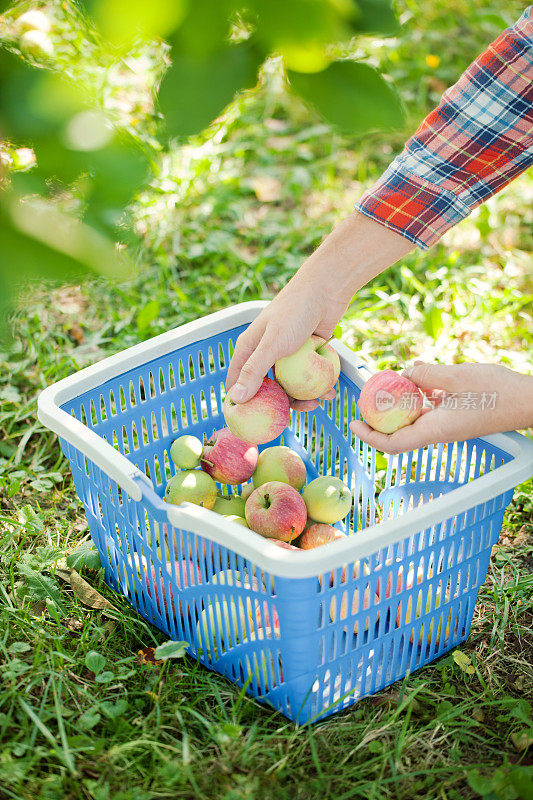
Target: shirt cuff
[{"x": 412, "y": 207}]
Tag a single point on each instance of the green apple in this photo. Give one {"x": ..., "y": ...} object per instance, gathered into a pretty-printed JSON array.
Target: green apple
[
  {"x": 327, "y": 499},
  {"x": 279, "y": 463},
  {"x": 424, "y": 637},
  {"x": 193, "y": 486},
  {"x": 220, "y": 615},
  {"x": 256, "y": 663},
  {"x": 186, "y": 452},
  {"x": 237, "y": 519},
  {"x": 311, "y": 371},
  {"x": 227, "y": 504},
  {"x": 247, "y": 490}
]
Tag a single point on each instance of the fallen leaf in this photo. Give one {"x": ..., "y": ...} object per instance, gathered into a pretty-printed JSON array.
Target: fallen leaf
[
  {"x": 147, "y": 656},
  {"x": 75, "y": 333},
  {"x": 478, "y": 714},
  {"x": 267, "y": 189},
  {"x": 523, "y": 740},
  {"x": 87, "y": 593}
]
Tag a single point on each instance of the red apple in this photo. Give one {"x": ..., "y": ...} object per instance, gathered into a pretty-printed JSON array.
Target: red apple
[
  {"x": 228, "y": 459},
  {"x": 276, "y": 511},
  {"x": 309, "y": 372},
  {"x": 316, "y": 535},
  {"x": 262, "y": 418},
  {"x": 388, "y": 401},
  {"x": 192, "y": 576},
  {"x": 283, "y": 545}
]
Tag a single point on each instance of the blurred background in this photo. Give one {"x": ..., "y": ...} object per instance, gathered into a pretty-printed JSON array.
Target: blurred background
[{"x": 124, "y": 213}]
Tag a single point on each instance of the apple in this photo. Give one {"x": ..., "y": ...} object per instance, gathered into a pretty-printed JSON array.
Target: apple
[
  {"x": 247, "y": 491},
  {"x": 256, "y": 663},
  {"x": 33, "y": 20},
  {"x": 389, "y": 401},
  {"x": 354, "y": 593},
  {"x": 262, "y": 418},
  {"x": 191, "y": 574},
  {"x": 228, "y": 459},
  {"x": 276, "y": 511},
  {"x": 36, "y": 44},
  {"x": 316, "y": 535},
  {"x": 227, "y": 504},
  {"x": 238, "y": 519},
  {"x": 309, "y": 372},
  {"x": 186, "y": 452},
  {"x": 328, "y": 499},
  {"x": 280, "y": 463},
  {"x": 217, "y": 620},
  {"x": 193, "y": 486},
  {"x": 283, "y": 545},
  {"x": 424, "y": 637}
]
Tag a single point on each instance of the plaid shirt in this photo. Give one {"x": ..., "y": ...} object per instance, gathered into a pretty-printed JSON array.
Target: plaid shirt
[{"x": 478, "y": 139}]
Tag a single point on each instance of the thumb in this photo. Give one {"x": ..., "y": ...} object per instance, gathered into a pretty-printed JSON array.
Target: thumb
[
  {"x": 253, "y": 371},
  {"x": 433, "y": 376}
]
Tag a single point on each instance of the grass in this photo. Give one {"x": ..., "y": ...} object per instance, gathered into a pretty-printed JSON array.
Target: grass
[{"x": 76, "y": 726}]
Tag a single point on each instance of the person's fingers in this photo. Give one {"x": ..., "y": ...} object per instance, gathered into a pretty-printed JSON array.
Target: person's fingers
[
  {"x": 303, "y": 405},
  {"x": 244, "y": 347},
  {"x": 411, "y": 437},
  {"x": 254, "y": 368},
  {"x": 434, "y": 376}
]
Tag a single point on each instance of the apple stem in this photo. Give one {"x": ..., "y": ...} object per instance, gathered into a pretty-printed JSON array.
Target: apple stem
[
  {"x": 325, "y": 343},
  {"x": 206, "y": 461}
]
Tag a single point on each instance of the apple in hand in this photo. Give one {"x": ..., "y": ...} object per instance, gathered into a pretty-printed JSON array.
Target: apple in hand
[
  {"x": 316, "y": 535},
  {"x": 389, "y": 401},
  {"x": 262, "y": 418},
  {"x": 186, "y": 452},
  {"x": 193, "y": 486},
  {"x": 328, "y": 499},
  {"x": 229, "y": 459},
  {"x": 311, "y": 371},
  {"x": 276, "y": 511},
  {"x": 280, "y": 463},
  {"x": 191, "y": 577}
]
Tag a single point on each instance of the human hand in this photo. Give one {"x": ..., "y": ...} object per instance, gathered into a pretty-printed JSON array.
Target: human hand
[
  {"x": 468, "y": 400},
  {"x": 312, "y": 302}
]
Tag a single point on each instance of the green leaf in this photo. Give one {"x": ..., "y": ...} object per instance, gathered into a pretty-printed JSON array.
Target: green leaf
[
  {"x": 375, "y": 16},
  {"x": 85, "y": 556},
  {"x": 479, "y": 783},
  {"x": 350, "y": 95},
  {"x": 196, "y": 89},
  {"x": 521, "y": 779},
  {"x": 433, "y": 322},
  {"x": 88, "y": 720},
  {"x": 19, "y": 647},
  {"x": 105, "y": 677},
  {"x": 122, "y": 21},
  {"x": 95, "y": 662},
  {"x": 170, "y": 649},
  {"x": 147, "y": 314},
  {"x": 114, "y": 710},
  {"x": 41, "y": 587}
]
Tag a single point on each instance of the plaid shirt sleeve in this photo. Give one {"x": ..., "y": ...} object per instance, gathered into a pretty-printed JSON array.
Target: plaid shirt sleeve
[{"x": 476, "y": 141}]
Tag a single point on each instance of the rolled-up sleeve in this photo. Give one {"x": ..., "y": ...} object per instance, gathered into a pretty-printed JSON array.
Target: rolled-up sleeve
[{"x": 475, "y": 142}]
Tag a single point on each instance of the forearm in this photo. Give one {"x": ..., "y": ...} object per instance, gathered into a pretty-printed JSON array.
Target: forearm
[
  {"x": 514, "y": 403},
  {"x": 356, "y": 251}
]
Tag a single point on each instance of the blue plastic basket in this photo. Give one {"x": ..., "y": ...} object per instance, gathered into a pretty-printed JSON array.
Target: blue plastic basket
[{"x": 311, "y": 632}]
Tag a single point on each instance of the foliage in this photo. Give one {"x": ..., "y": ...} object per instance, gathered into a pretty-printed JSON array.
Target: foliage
[{"x": 60, "y": 213}]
